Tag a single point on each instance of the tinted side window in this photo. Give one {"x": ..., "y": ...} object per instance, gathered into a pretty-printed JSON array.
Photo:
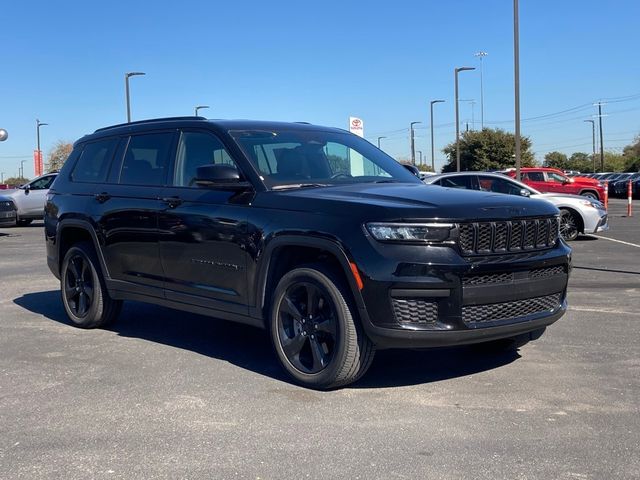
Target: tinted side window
[
  {"x": 42, "y": 183},
  {"x": 498, "y": 185},
  {"x": 146, "y": 159},
  {"x": 196, "y": 149},
  {"x": 534, "y": 176},
  {"x": 93, "y": 164},
  {"x": 457, "y": 182}
]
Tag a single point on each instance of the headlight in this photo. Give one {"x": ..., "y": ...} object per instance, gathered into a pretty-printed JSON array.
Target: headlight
[
  {"x": 600, "y": 185},
  {"x": 410, "y": 232}
]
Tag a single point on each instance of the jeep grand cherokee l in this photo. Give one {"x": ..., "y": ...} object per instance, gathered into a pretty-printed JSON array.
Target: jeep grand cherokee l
[{"x": 309, "y": 232}]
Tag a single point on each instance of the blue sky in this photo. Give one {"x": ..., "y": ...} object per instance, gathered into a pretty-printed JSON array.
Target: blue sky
[{"x": 63, "y": 62}]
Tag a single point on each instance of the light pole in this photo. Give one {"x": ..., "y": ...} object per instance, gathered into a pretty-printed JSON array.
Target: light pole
[
  {"x": 412, "y": 142},
  {"x": 433, "y": 162},
  {"x": 200, "y": 107},
  {"x": 22, "y": 168},
  {"x": 420, "y": 156},
  {"x": 38, "y": 125},
  {"x": 456, "y": 71},
  {"x": 599, "y": 104},
  {"x": 516, "y": 72},
  {"x": 126, "y": 88},
  {"x": 380, "y": 138},
  {"x": 1, "y": 178},
  {"x": 481, "y": 55},
  {"x": 593, "y": 140}
]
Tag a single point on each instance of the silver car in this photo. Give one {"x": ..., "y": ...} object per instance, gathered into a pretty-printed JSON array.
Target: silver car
[
  {"x": 29, "y": 199},
  {"x": 578, "y": 214}
]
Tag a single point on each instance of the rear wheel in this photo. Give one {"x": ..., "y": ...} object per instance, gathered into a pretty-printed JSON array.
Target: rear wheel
[
  {"x": 24, "y": 222},
  {"x": 315, "y": 335},
  {"x": 84, "y": 295},
  {"x": 568, "y": 225}
]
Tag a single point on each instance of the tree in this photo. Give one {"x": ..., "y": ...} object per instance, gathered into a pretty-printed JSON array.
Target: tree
[
  {"x": 580, "y": 162},
  {"x": 556, "y": 160},
  {"x": 632, "y": 155},
  {"x": 15, "y": 181},
  {"x": 58, "y": 155},
  {"x": 487, "y": 149}
]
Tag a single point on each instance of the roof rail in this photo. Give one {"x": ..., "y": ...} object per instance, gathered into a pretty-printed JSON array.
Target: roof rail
[{"x": 149, "y": 120}]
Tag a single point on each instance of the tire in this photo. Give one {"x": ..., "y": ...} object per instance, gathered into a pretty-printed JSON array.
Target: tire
[
  {"x": 24, "y": 222},
  {"x": 590, "y": 194},
  {"x": 83, "y": 291},
  {"x": 321, "y": 347},
  {"x": 568, "y": 225}
]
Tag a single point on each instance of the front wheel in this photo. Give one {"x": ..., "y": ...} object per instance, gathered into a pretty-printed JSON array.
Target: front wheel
[
  {"x": 313, "y": 330},
  {"x": 84, "y": 296},
  {"x": 568, "y": 225}
]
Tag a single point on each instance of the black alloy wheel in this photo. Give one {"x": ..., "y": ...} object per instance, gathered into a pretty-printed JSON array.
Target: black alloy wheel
[
  {"x": 568, "y": 225},
  {"x": 78, "y": 286},
  {"x": 314, "y": 329},
  {"x": 307, "y": 327},
  {"x": 84, "y": 295}
]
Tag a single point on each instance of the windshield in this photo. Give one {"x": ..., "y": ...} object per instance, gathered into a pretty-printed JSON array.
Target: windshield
[{"x": 317, "y": 158}]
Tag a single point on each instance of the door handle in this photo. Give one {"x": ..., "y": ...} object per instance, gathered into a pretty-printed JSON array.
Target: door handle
[
  {"x": 102, "y": 197},
  {"x": 173, "y": 202}
]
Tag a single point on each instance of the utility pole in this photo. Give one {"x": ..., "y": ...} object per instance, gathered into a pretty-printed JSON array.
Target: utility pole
[
  {"x": 601, "y": 142},
  {"x": 481, "y": 55},
  {"x": 456, "y": 71},
  {"x": 412, "y": 142},
  {"x": 593, "y": 140},
  {"x": 516, "y": 71},
  {"x": 433, "y": 163}
]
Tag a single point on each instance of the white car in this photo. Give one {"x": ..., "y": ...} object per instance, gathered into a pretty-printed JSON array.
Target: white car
[
  {"x": 29, "y": 199},
  {"x": 578, "y": 214}
]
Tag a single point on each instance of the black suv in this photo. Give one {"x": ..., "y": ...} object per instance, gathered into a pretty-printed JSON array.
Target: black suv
[{"x": 309, "y": 232}]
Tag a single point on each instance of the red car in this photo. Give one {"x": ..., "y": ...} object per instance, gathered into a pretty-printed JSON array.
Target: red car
[{"x": 553, "y": 180}]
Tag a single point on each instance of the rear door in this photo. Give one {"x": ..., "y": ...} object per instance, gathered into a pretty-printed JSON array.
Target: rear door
[
  {"x": 126, "y": 210},
  {"x": 203, "y": 231},
  {"x": 535, "y": 180}
]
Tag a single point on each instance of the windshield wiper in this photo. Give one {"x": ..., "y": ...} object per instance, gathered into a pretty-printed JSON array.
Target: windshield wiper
[
  {"x": 299, "y": 185},
  {"x": 387, "y": 181}
]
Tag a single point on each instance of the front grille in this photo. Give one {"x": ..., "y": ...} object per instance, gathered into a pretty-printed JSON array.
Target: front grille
[
  {"x": 414, "y": 312},
  {"x": 546, "y": 272},
  {"x": 474, "y": 315},
  {"x": 480, "y": 238},
  {"x": 489, "y": 278},
  {"x": 6, "y": 206}
]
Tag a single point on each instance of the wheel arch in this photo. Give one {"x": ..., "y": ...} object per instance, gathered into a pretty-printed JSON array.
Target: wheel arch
[
  {"x": 590, "y": 190},
  {"x": 72, "y": 231},
  {"x": 285, "y": 252},
  {"x": 577, "y": 215}
]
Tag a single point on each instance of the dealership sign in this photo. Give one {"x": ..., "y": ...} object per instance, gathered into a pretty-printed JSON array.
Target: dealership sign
[{"x": 356, "y": 126}]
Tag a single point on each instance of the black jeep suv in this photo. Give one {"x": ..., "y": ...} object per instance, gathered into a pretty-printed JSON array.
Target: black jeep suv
[{"x": 309, "y": 232}]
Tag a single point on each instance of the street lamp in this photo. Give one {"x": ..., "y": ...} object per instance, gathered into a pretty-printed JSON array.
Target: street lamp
[
  {"x": 593, "y": 141},
  {"x": 126, "y": 87},
  {"x": 22, "y": 168},
  {"x": 412, "y": 142},
  {"x": 380, "y": 138},
  {"x": 516, "y": 82},
  {"x": 200, "y": 107},
  {"x": 39, "y": 154},
  {"x": 456, "y": 71},
  {"x": 420, "y": 153},
  {"x": 433, "y": 163},
  {"x": 481, "y": 55}
]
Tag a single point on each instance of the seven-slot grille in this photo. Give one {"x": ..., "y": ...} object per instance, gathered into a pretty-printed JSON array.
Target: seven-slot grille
[{"x": 480, "y": 238}]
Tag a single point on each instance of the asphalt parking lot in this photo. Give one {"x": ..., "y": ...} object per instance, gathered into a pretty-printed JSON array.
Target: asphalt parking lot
[{"x": 165, "y": 394}]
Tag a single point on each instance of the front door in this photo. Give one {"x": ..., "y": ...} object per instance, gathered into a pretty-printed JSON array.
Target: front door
[
  {"x": 203, "y": 231},
  {"x": 34, "y": 197}
]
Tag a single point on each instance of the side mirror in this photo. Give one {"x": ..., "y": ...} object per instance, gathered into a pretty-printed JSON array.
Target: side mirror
[
  {"x": 413, "y": 169},
  {"x": 26, "y": 187},
  {"x": 525, "y": 193},
  {"x": 219, "y": 176}
]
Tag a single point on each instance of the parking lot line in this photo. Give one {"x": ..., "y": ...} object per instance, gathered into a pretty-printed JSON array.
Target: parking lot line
[{"x": 617, "y": 241}]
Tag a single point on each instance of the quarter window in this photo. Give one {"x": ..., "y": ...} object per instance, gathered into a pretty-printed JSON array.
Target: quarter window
[
  {"x": 146, "y": 159},
  {"x": 93, "y": 164}
]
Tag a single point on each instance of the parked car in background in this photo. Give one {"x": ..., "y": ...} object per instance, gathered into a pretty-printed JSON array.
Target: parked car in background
[
  {"x": 7, "y": 211},
  {"x": 618, "y": 187},
  {"x": 577, "y": 213},
  {"x": 552, "y": 180},
  {"x": 29, "y": 199}
]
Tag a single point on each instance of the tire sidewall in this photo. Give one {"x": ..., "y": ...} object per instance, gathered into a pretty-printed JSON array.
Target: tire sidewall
[
  {"x": 331, "y": 290},
  {"x": 95, "y": 311}
]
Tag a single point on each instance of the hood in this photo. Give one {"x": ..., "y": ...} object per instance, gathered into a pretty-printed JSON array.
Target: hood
[
  {"x": 585, "y": 181},
  {"x": 405, "y": 201}
]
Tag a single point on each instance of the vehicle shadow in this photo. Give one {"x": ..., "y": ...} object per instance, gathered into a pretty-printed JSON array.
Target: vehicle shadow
[{"x": 250, "y": 348}]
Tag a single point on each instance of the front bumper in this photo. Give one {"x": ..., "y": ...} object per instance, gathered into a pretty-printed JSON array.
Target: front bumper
[
  {"x": 7, "y": 217},
  {"x": 439, "y": 298},
  {"x": 595, "y": 220}
]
